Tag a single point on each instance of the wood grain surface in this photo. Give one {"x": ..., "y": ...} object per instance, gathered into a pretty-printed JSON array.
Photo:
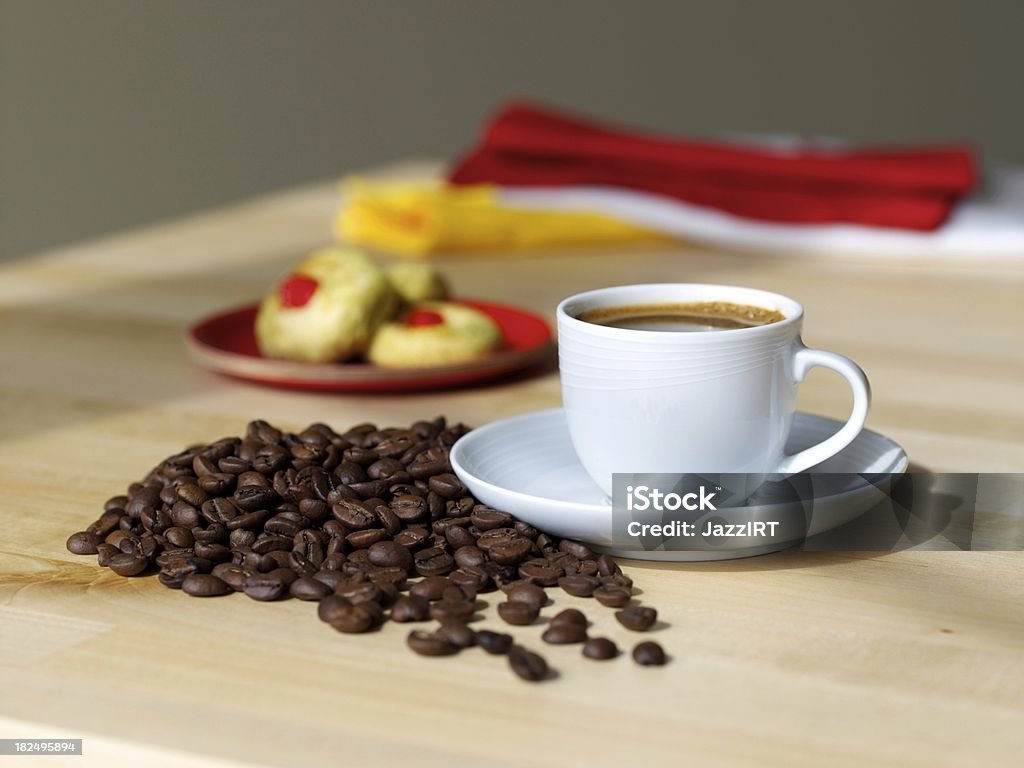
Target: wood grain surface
[{"x": 913, "y": 658}]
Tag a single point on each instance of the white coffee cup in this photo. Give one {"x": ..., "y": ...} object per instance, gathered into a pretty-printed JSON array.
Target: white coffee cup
[{"x": 641, "y": 401}]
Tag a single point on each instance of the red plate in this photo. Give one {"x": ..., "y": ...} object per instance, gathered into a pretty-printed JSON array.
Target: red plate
[{"x": 226, "y": 343}]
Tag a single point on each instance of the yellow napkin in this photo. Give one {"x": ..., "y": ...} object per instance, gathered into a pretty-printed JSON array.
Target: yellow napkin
[{"x": 420, "y": 218}]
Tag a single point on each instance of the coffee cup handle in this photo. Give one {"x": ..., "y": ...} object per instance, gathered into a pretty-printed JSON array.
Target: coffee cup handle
[{"x": 803, "y": 360}]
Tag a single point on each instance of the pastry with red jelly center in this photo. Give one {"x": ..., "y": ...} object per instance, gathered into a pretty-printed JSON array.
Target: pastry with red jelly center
[
  {"x": 327, "y": 310},
  {"x": 435, "y": 333}
]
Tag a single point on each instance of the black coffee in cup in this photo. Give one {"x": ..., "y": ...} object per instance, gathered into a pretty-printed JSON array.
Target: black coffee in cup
[{"x": 685, "y": 317}]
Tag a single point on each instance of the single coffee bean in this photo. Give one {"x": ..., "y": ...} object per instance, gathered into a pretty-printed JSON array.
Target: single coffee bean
[
  {"x": 308, "y": 588},
  {"x": 424, "y": 468},
  {"x": 570, "y": 617},
  {"x": 115, "y": 504},
  {"x": 600, "y": 648},
  {"x": 433, "y": 561},
  {"x": 217, "y": 553},
  {"x": 617, "y": 580},
  {"x": 430, "y": 644},
  {"x": 446, "y": 485},
  {"x": 204, "y": 585},
  {"x": 346, "y": 616},
  {"x": 580, "y": 586},
  {"x": 413, "y": 538},
  {"x": 458, "y": 537},
  {"x": 526, "y": 592},
  {"x": 649, "y": 654},
  {"x": 526, "y": 664},
  {"x": 233, "y": 465},
  {"x": 219, "y": 510},
  {"x": 563, "y": 634},
  {"x": 389, "y": 554},
  {"x": 218, "y": 483},
  {"x": 128, "y": 564},
  {"x": 366, "y": 539},
  {"x": 265, "y": 587},
  {"x": 606, "y": 565},
  {"x": 638, "y": 618},
  {"x": 203, "y": 466},
  {"x": 108, "y": 522},
  {"x": 612, "y": 596},
  {"x": 487, "y": 519},
  {"x": 432, "y": 587},
  {"x": 252, "y": 479},
  {"x": 505, "y": 546},
  {"x": 192, "y": 494},
  {"x": 302, "y": 566},
  {"x": 360, "y": 592},
  {"x": 179, "y": 537},
  {"x": 519, "y": 614},
  {"x": 254, "y": 497},
  {"x": 457, "y": 633},
  {"x": 493, "y": 642},
  {"x": 332, "y": 579},
  {"x": 576, "y": 549},
  {"x": 471, "y": 580},
  {"x": 233, "y": 575},
  {"x": 410, "y": 608},
  {"x": 84, "y": 543},
  {"x": 539, "y": 572},
  {"x": 452, "y": 610},
  {"x": 469, "y": 556}
]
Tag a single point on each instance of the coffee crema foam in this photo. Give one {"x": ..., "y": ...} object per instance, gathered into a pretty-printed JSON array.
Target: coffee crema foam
[{"x": 682, "y": 316}]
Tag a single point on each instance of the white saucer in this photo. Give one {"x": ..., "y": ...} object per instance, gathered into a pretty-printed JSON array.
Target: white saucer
[{"x": 526, "y": 465}]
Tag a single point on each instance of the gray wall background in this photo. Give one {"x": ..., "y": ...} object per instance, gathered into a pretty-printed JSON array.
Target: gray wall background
[{"x": 116, "y": 113}]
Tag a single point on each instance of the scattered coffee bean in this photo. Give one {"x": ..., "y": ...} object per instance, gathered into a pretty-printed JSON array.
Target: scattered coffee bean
[
  {"x": 638, "y": 618},
  {"x": 83, "y": 543},
  {"x": 579, "y": 585},
  {"x": 308, "y": 588},
  {"x": 430, "y": 644},
  {"x": 493, "y": 642},
  {"x": 519, "y": 614},
  {"x": 452, "y": 610},
  {"x": 540, "y": 572},
  {"x": 570, "y": 617},
  {"x": 350, "y": 521},
  {"x": 447, "y": 486},
  {"x": 128, "y": 565},
  {"x": 410, "y": 608},
  {"x": 204, "y": 585},
  {"x": 527, "y": 664},
  {"x": 649, "y": 654},
  {"x": 265, "y": 587},
  {"x": 345, "y": 616},
  {"x": 526, "y": 592},
  {"x": 600, "y": 648},
  {"x": 563, "y": 634},
  {"x": 389, "y": 554},
  {"x": 432, "y": 587},
  {"x": 457, "y": 633},
  {"x": 612, "y": 596}
]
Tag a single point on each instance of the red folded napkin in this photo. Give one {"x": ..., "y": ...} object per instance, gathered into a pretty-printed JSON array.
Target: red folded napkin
[{"x": 910, "y": 188}]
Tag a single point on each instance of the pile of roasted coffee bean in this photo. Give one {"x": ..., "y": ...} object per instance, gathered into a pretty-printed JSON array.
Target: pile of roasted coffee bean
[{"x": 373, "y": 525}]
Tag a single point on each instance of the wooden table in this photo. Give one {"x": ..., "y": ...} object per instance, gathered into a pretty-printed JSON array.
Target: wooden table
[{"x": 913, "y": 658}]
